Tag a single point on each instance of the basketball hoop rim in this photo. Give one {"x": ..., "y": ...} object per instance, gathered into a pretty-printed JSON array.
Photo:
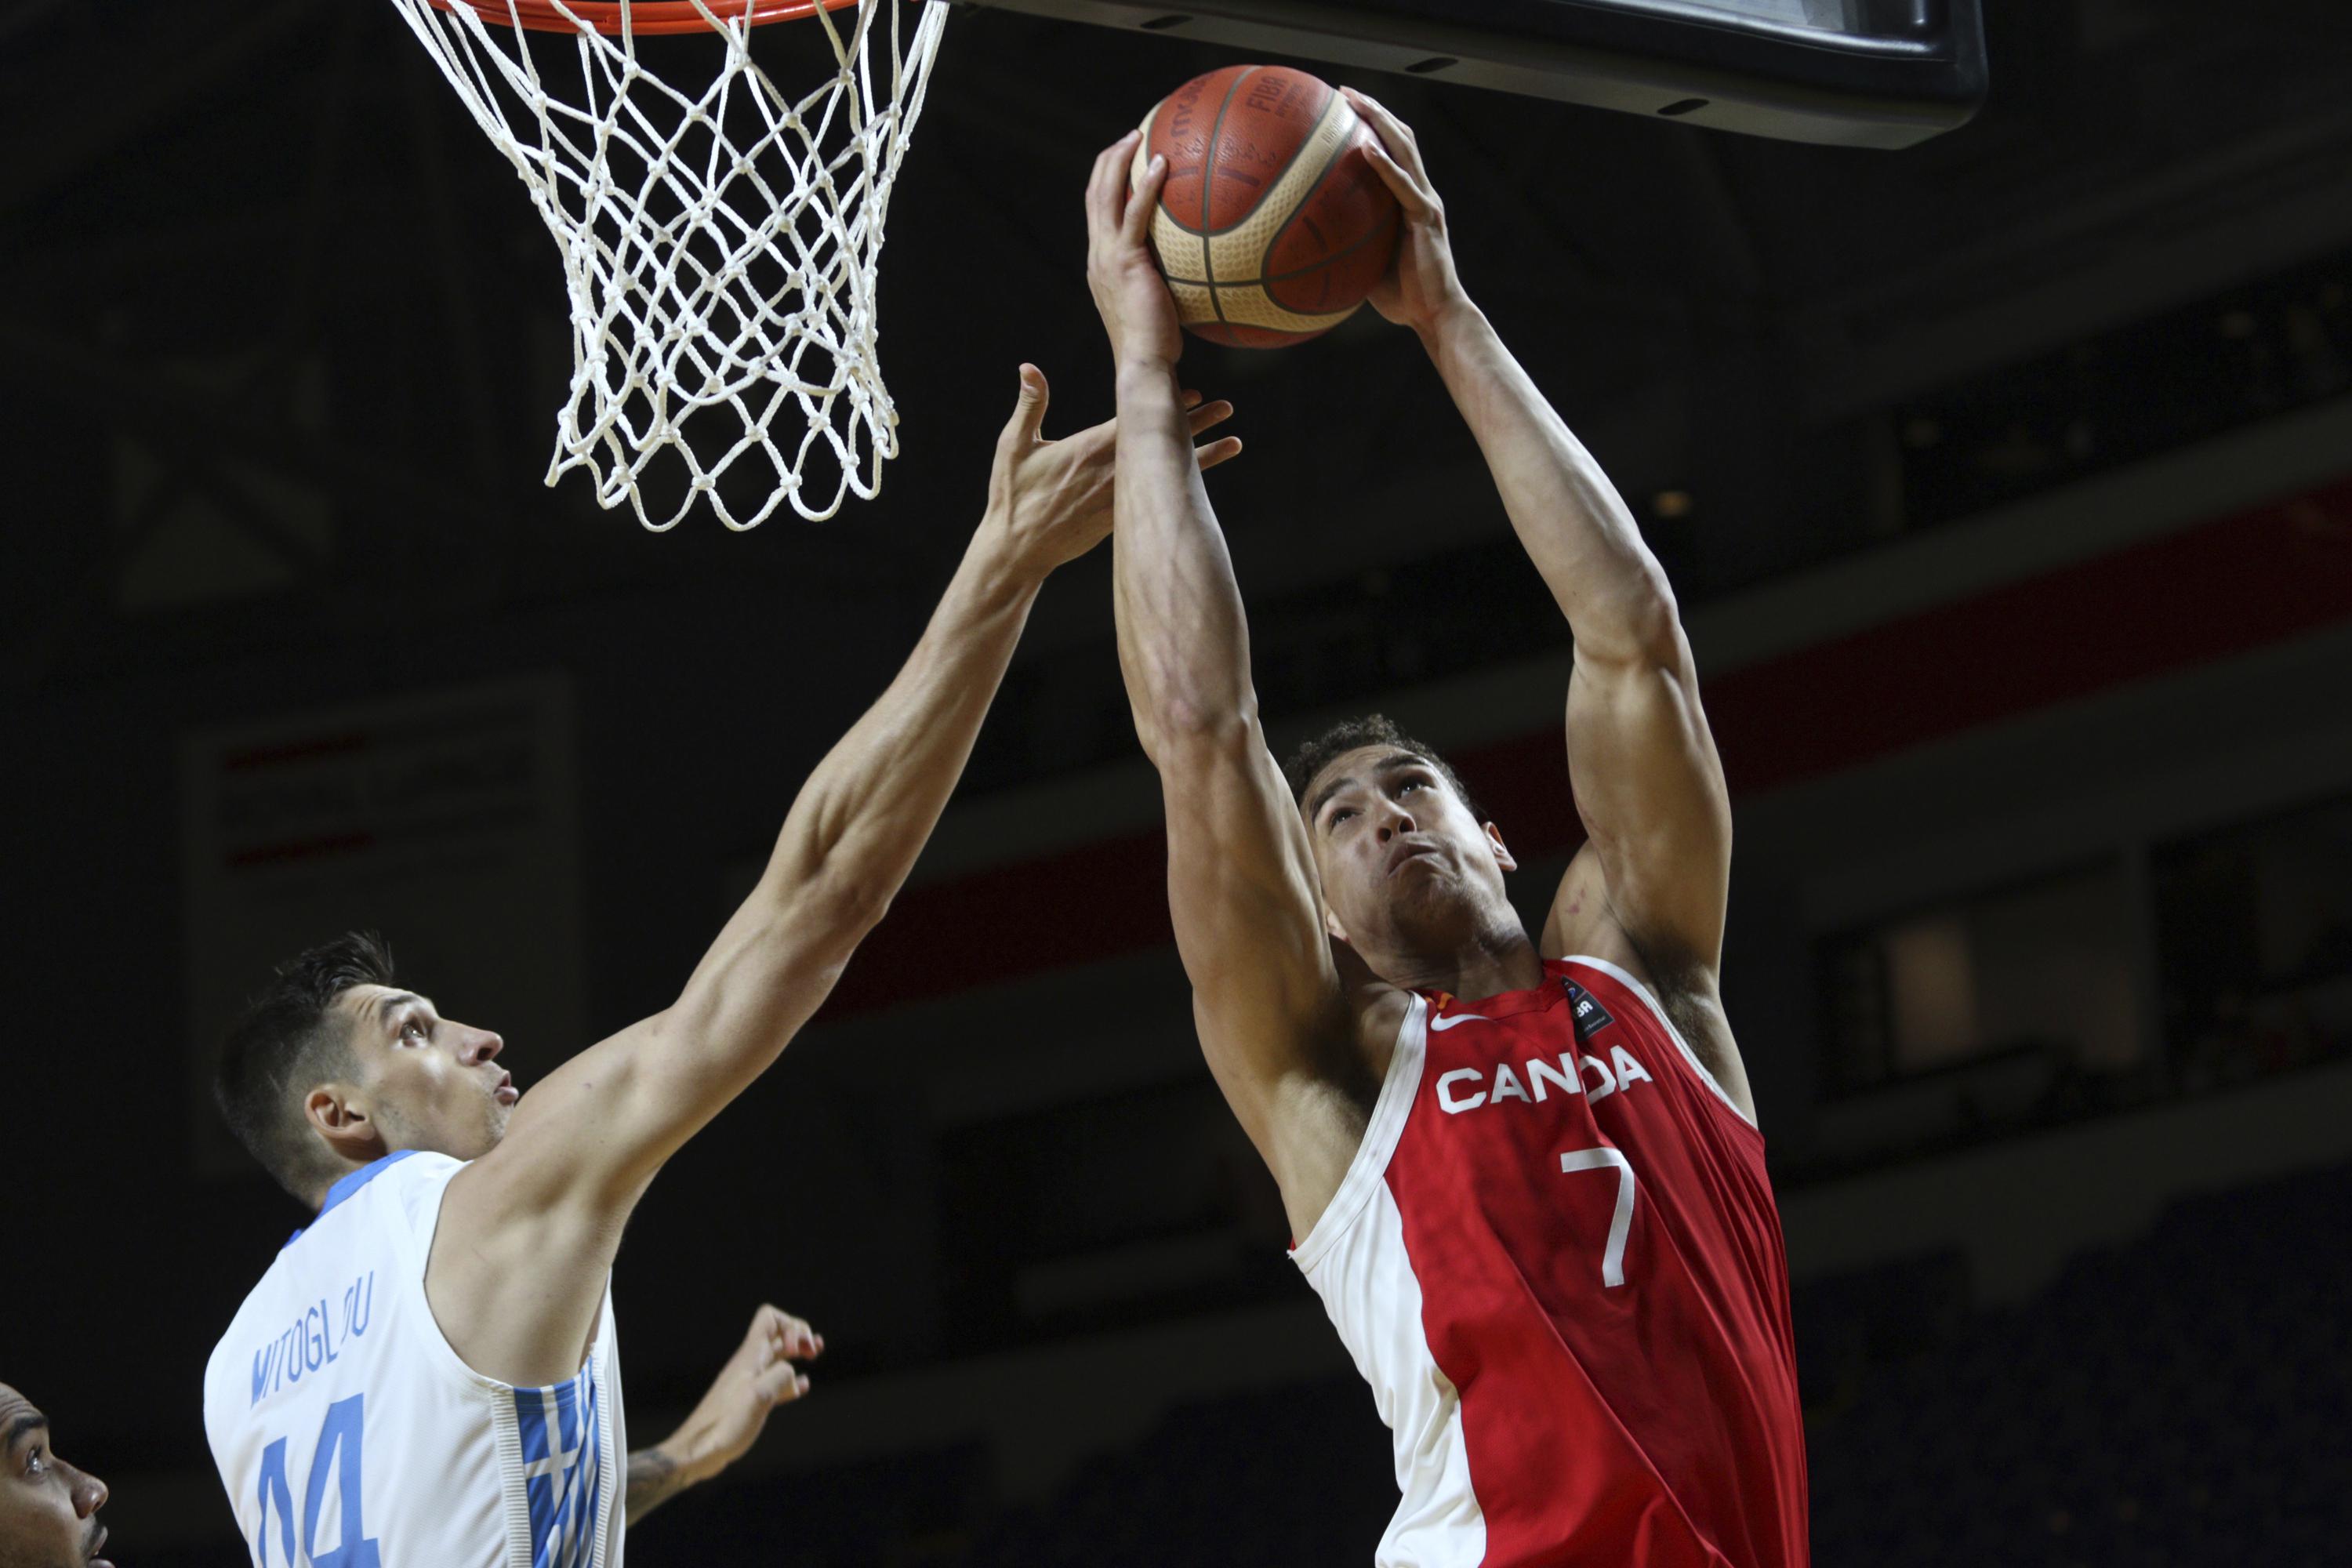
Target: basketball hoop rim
[{"x": 643, "y": 16}]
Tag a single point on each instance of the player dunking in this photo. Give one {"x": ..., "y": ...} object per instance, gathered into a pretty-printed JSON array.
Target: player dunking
[
  {"x": 1524, "y": 1173},
  {"x": 428, "y": 1376}
]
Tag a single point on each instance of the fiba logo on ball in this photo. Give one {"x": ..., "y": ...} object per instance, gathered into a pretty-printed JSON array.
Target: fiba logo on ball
[{"x": 1272, "y": 226}]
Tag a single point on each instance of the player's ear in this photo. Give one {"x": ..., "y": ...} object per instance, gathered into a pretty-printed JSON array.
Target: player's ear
[
  {"x": 341, "y": 1115},
  {"x": 1502, "y": 851}
]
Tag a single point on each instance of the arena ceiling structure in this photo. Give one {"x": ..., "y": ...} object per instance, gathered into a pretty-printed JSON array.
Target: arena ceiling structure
[{"x": 285, "y": 338}]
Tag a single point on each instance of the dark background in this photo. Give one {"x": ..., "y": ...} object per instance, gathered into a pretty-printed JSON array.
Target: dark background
[{"x": 2004, "y": 482}]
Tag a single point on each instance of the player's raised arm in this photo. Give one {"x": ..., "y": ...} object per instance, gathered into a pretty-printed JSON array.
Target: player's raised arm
[
  {"x": 1644, "y": 767},
  {"x": 1242, "y": 885},
  {"x": 529, "y": 1228}
]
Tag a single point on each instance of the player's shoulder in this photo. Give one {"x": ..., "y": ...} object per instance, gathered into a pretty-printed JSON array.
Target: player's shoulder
[
  {"x": 403, "y": 1176},
  {"x": 1686, "y": 1003},
  {"x": 374, "y": 1220},
  {"x": 402, "y": 1191},
  {"x": 368, "y": 1209}
]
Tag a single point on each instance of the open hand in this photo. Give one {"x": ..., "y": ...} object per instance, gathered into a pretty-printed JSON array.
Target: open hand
[
  {"x": 1138, "y": 311},
  {"x": 1422, "y": 285},
  {"x": 1053, "y": 498},
  {"x": 762, "y": 1375}
]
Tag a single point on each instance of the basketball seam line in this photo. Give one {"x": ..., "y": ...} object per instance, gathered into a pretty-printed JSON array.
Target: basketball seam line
[
  {"x": 1342, "y": 254},
  {"x": 1278, "y": 175},
  {"x": 1304, "y": 196},
  {"x": 1151, "y": 128},
  {"x": 1264, "y": 283},
  {"x": 1208, "y": 185}
]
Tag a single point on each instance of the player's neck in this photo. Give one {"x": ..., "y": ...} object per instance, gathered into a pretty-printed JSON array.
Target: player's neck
[{"x": 1492, "y": 958}]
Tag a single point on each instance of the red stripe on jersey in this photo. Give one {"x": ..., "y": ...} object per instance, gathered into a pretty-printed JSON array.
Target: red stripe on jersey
[{"x": 1653, "y": 1420}]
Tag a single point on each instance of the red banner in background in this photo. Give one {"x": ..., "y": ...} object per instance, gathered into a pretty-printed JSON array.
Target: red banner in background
[{"x": 2171, "y": 603}]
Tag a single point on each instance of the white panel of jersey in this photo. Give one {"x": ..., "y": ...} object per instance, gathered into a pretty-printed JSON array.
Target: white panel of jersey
[
  {"x": 350, "y": 1435},
  {"x": 1356, "y": 1259}
]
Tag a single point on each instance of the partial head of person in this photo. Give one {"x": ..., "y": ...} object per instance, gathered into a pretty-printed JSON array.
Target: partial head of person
[
  {"x": 49, "y": 1509},
  {"x": 1409, "y": 865},
  {"x": 334, "y": 1066}
]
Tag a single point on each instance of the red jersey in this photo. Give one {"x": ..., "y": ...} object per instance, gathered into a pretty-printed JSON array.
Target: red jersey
[{"x": 1557, "y": 1260}]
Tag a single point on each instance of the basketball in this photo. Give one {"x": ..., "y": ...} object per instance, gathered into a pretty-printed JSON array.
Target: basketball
[{"x": 1273, "y": 224}]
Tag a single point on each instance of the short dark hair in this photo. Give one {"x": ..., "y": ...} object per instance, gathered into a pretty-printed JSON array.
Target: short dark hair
[
  {"x": 286, "y": 1041},
  {"x": 1369, "y": 730}
]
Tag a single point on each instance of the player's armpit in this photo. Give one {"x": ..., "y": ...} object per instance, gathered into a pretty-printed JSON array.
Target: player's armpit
[{"x": 1649, "y": 788}]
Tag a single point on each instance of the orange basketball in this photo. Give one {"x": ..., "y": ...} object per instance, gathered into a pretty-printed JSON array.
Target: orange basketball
[{"x": 1274, "y": 225}]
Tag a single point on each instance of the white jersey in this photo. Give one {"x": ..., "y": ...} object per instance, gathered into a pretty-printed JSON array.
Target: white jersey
[{"x": 350, "y": 1435}]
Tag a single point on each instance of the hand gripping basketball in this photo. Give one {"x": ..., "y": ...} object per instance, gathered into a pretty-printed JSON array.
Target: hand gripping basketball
[
  {"x": 1422, "y": 285},
  {"x": 1272, "y": 224},
  {"x": 1137, "y": 309}
]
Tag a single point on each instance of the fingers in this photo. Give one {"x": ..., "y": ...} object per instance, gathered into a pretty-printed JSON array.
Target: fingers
[
  {"x": 1106, "y": 430},
  {"x": 1396, "y": 156},
  {"x": 1205, "y": 415},
  {"x": 1028, "y": 408},
  {"x": 780, "y": 1384},
  {"x": 1137, "y": 222},
  {"x": 1198, "y": 415},
  {"x": 1106, "y": 185},
  {"x": 1223, "y": 450},
  {"x": 787, "y": 1335},
  {"x": 1404, "y": 187},
  {"x": 1394, "y": 133}
]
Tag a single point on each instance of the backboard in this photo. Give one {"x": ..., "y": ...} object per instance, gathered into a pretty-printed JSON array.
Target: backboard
[{"x": 1861, "y": 73}]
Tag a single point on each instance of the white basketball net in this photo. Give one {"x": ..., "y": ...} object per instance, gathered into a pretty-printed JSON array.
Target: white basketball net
[{"x": 719, "y": 247}]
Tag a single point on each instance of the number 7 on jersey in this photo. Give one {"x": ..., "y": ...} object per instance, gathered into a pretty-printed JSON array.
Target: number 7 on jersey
[{"x": 1612, "y": 1256}]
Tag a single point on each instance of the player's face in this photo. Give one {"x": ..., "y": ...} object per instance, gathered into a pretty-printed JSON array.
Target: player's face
[
  {"x": 434, "y": 1083},
  {"x": 48, "y": 1509},
  {"x": 1396, "y": 846}
]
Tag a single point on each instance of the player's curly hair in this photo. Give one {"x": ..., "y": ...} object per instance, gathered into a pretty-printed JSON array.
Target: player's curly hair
[
  {"x": 1368, "y": 730},
  {"x": 288, "y": 1040}
]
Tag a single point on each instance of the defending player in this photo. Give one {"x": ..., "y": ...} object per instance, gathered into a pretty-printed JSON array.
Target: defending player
[
  {"x": 429, "y": 1373},
  {"x": 1525, "y": 1172},
  {"x": 49, "y": 1509}
]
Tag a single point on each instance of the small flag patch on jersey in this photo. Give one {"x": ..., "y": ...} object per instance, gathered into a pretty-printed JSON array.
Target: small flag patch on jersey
[{"x": 1585, "y": 1011}]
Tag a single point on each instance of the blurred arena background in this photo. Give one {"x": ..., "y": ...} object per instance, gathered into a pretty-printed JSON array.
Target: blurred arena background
[{"x": 2007, "y": 485}]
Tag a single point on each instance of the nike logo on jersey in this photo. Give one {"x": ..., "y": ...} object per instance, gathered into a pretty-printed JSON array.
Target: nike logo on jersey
[
  {"x": 1442, "y": 1025},
  {"x": 1467, "y": 1088}
]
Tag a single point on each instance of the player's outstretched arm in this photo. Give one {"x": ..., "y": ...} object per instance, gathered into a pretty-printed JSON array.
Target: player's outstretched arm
[
  {"x": 1644, "y": 767},
  {"x": 1241, "y": 886},
  {"x": 529, "y": 1230},
  {"x": 762, "y": 1375}
]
